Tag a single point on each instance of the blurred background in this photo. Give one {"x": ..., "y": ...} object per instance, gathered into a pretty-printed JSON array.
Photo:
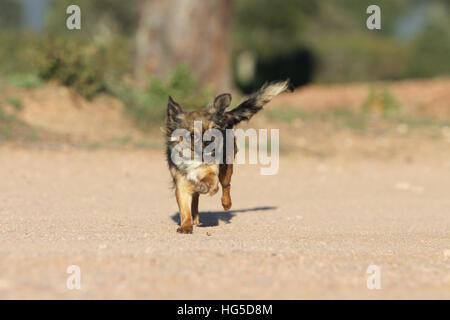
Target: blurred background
[{"x": 133, "y": 54}]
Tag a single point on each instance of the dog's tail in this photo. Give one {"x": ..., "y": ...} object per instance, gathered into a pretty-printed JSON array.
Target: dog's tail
[{"x": 256, "y": 101}]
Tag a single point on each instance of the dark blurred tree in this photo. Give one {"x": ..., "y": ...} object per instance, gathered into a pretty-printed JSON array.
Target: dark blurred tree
[
  {"x": 190, "y": 32},
  {"x": 268, "y": 27},
  {"x": 10, "y": 14},
  {"x": 268, "y": 42}
]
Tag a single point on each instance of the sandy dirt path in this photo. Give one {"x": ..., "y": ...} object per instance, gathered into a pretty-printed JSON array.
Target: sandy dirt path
[{"x": 310, "y": 231}]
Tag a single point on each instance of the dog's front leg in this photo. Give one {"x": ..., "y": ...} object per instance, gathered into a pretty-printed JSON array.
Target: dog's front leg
[
  {"x": 184, "y": 199},
  {"x": 225, "y": 173},
  {"x": 194, "y": 209}
]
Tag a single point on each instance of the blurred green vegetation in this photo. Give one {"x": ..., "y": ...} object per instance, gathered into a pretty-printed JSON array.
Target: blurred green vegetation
[
  {"x": 10, "y": 14},
  {"x": 15, "y": 102},
  {"x": 24, "y": 80},
  {"x": 84, "y": 61},
  {"x": 85, "y": 66},
  {"x": 11, "y": 126},
  {"x": 430, "y": 50},
  {"x": 380, "y": 101},
  {"x": 148, "y": 105}
]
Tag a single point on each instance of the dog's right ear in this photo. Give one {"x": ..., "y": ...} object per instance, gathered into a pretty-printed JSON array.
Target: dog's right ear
[
  {"x": 221, "y": 102},
  {"x": 173, "y": 110}
]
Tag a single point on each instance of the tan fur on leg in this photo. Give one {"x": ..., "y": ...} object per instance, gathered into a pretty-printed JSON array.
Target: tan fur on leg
[
  {"x": 183, "y": 193},
  {"x": 225, "y": 173}
]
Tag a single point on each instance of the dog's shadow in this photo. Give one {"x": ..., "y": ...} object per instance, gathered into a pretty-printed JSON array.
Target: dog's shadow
[{"x": 212, "y": 218}]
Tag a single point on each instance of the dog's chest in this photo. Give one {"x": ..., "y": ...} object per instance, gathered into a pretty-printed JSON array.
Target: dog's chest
[
  {"x": 196, "y": 170},
  {"x": 189, "y": 165}
]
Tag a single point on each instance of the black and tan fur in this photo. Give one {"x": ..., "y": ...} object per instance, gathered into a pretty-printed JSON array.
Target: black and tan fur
[{"x": 193, "y": 179}]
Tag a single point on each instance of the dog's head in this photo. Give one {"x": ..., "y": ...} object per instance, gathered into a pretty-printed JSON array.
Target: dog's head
[{"x": 211, "y": 117}]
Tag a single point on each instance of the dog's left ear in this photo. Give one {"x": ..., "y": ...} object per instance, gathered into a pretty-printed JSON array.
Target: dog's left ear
[
  {"x": 221, "y": 102},
  {"x": 173, "y": 110}
]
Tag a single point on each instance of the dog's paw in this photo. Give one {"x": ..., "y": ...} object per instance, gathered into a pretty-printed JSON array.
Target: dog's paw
[
  {"x": 186, "y": 230},
  {"x": 226, "y": 203},
  {"x": 201, "y": 187}
]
